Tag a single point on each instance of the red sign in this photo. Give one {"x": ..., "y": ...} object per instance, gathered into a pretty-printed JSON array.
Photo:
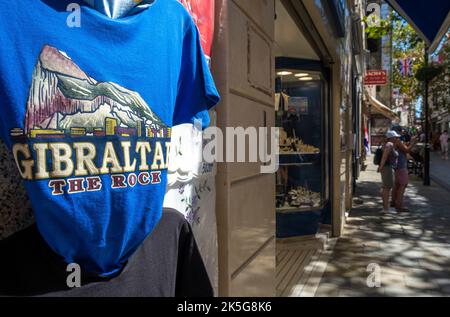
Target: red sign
[
  {"x": 375, "y": 77},
  {"x": 202, "y": 12}
]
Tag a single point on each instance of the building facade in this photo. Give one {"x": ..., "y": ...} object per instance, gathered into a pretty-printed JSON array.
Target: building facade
[{"x": 254, "y": 42}]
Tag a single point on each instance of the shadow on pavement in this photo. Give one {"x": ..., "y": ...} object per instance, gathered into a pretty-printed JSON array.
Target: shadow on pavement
[{"x": 410, "y": 250}]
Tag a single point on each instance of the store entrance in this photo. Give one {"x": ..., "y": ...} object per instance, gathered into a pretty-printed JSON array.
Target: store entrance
[
  {"x": 302, "y": 181},
  {"x": 302, "y": 114}
]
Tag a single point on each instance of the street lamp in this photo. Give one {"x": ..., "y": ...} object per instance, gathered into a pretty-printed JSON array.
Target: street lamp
[
  {"x": 426, "y": 170},
  {"x": 426, "y": 74}
]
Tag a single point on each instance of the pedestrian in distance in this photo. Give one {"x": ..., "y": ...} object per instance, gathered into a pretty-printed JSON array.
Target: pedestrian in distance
[
  {"x": 386, "y": 168},
  {"x": 422, "y": 137},
  {"x": 435, "y": 143},
  {"x": 401, "y": 172},
  {"x": 444, "y": 145}
]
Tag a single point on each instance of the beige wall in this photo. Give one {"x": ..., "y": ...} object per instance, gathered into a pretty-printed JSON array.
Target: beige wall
[{"x": 243, "y": 66}]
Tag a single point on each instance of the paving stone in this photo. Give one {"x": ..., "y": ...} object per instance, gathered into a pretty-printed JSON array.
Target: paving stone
[
  {"x": 429, "y": 264},
  {"x": 424, "y": 283},
  {"x": 403, "y": 261},
  {"x": 401, "y": 291},
  {"x": 327, "y": 290},
  {"x": 405, "y": 271},
  {"x": 445, "y": 290},
  {"x": 362, "y": 292},
  {"x": 362, "y": 282},
  {"x": 350, "y": 293},
  {"x": 444, "y": 251},
  {"x": 443, "y": 283},
  {"x": 392, "y": 279},
  {"x": 414, "y": 254}
]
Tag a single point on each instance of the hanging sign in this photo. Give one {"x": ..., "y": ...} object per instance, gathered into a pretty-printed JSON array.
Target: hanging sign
[{"x": 375, "y": 77}]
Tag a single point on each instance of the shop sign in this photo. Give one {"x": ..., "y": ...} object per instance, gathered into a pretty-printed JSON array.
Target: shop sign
[{"x": 375, "y": 77}]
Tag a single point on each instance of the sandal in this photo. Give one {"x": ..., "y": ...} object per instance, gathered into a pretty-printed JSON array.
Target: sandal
[{"x": 402, "y": 210}]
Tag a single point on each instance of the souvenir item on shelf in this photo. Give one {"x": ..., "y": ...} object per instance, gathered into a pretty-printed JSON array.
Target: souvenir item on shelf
[
  {"x": 306, "y": 148},
  {"x": 303, "y": 197},
  {"x": 283, "y": 137},
  {"x": 294, "y": 144},
  {"x": 299, "y": 197}
]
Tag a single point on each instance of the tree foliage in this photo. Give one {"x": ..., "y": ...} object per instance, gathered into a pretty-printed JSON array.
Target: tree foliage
[
  {"x": 440, "y": 86},
  {"x": 405, "y": 43},
  {"x": 376, "y": 29}
]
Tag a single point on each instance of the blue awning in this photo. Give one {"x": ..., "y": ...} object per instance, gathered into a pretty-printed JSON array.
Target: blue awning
[{"x": 430, "y": 18}]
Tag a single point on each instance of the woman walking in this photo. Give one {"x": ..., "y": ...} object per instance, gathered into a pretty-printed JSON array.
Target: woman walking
[
  {"x": 401, "y": 174},
  {"x": 387, "y": 165}
]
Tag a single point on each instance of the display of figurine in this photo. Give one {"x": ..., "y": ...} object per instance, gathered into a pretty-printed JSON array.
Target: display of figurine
[
  {"x": 298, "y": 198},
  {"x": 294, "y": 144}
]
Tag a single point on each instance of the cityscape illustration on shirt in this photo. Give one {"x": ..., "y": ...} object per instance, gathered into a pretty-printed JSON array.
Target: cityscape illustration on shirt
[{"x": 64, "y": 101}]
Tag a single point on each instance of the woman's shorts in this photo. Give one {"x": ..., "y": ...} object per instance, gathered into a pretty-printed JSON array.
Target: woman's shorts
[
  {"x": 387, "y": 177},
  {"x": 402, "y": 176}
]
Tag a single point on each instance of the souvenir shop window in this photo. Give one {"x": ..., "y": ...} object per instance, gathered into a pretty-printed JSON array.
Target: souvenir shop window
[{"x": 300, "y": 116}]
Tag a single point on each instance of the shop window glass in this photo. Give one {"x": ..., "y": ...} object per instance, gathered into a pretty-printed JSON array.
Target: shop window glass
[{"x": 300, "y": 116}]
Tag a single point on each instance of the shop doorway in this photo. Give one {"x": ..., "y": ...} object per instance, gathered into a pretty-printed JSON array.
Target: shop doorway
[{"x": 302, "y": 114}]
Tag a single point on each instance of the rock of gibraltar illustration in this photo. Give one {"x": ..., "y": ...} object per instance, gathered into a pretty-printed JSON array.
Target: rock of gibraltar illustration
[{"x": 64, "y": 99}]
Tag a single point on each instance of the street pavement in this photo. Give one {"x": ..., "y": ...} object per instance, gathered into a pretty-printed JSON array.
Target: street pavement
[
  {"x": 407, "y": 253},
  {"x": 440, "y": 170}
]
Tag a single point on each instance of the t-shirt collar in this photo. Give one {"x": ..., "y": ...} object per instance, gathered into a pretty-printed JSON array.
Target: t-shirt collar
[{"x": 115, "y": 9}]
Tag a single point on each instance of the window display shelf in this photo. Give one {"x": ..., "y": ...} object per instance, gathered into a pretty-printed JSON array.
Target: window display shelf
[
  {"x": 299, "y": 153},
  {"x": 296, "y": 164},
  {"x": 297, "y": 209}
]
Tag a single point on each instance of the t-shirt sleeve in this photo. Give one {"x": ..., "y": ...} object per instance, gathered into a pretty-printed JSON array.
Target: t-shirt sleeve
[
  {"x": 196, "y": 90},
  {"x": 192, "y": 277}
]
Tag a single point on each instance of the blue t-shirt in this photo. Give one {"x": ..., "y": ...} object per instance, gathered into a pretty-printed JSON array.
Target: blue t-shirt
[{"x": 87, "y": 112}]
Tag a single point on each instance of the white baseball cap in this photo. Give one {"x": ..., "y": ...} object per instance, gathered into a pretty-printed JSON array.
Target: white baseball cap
[{"x": 392, "y": 134}]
